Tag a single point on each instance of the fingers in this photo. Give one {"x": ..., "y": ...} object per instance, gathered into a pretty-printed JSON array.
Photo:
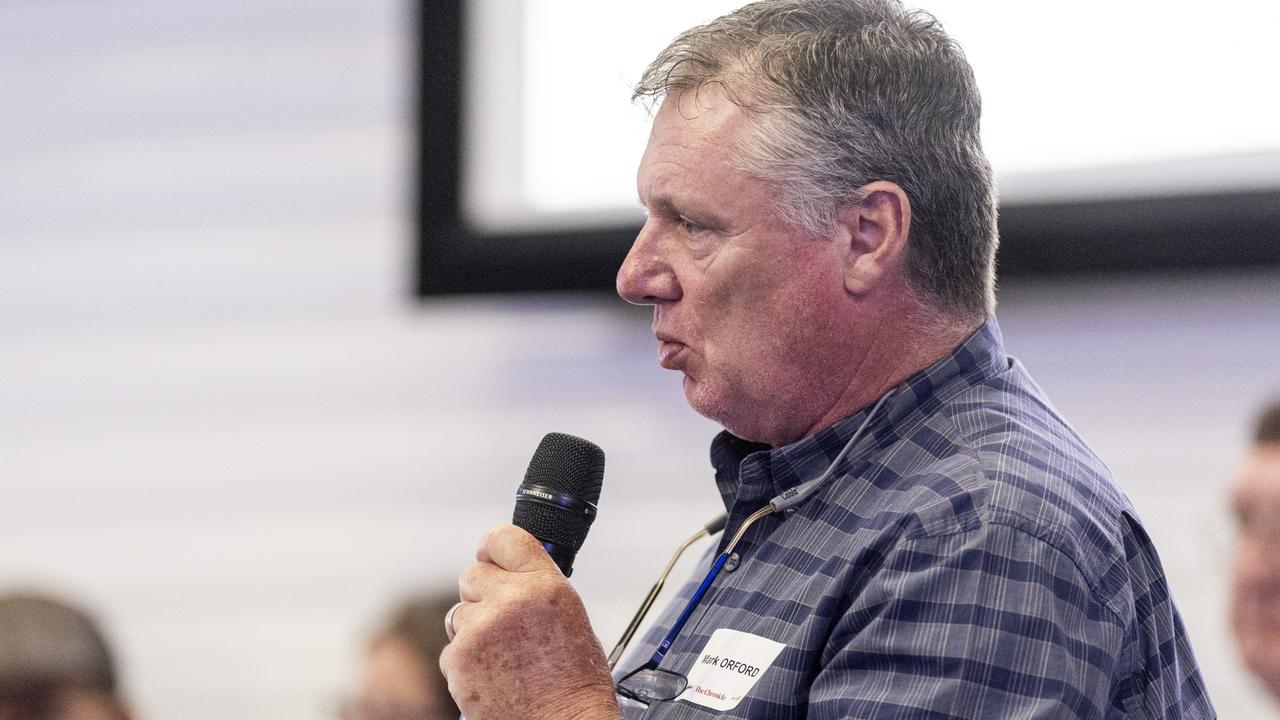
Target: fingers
[
  {"x": 448, "y": 661},
  {"x": 523, "y": 645},
  {"x": 478, "y": 580},
  {"x": 514, "y": 550},
  {"x": 505, "y": 551}
]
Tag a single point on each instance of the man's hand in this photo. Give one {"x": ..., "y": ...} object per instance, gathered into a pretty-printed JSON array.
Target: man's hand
[{"x": 523, "y": 646}]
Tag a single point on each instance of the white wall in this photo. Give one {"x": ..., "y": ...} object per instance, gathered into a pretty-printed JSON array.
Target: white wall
[{"x": 224, "y": 423}]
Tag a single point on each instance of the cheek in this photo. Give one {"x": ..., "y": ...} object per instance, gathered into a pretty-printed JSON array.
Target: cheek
[
  {"x": 740, "y": 333},
  {"x": 770, "y": 298},
  {"x": 759, "y": 317},
  {"x": 1255, "y": 602},
  {"x": 1256, "y": 564},
  {"x": 724, "y": 314}
]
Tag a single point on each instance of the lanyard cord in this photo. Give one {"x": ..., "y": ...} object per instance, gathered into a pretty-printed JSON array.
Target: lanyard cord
[
  {"x": 711, "y": 528},
  {"x": 678, "y": 625},
  {"x": 787, "y": 500},
  {"x": 794, "y": 496}
]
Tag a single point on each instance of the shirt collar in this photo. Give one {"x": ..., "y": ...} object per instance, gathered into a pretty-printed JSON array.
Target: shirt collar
[{"x": 754, "y": 472}]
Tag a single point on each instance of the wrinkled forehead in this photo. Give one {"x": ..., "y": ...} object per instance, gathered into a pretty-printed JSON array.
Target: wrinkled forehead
[
  {"x": 713, "y": 108},
  {"x": 1259, "y": 476},
  {"x": 728, "y": 110},
  {"x": 694, "y": 128}
]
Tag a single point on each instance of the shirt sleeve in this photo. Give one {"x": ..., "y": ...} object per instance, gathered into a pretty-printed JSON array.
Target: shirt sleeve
[{"x": 986, "y": 623}]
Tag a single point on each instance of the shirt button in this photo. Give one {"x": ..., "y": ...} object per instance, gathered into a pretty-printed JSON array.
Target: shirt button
[{"x": 732, "y": 562}]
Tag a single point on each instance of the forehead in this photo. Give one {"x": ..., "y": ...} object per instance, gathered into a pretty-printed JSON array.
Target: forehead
[
  {"x": 706, "y": 112},
  {"x": 694, "y": 130}
]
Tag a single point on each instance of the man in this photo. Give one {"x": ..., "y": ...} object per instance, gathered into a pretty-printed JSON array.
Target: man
[
  {"x": 1255, "y": 591},
  {"x": 819, "y": 256}
]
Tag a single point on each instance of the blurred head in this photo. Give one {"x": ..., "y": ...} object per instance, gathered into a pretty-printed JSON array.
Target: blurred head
[
  {"x": 60, "y": 703},
  {"x": 1255, "y": 598},
  {"x": 402, "y": 678},
  {"x": 55, "y": 663},
  {"x": 813, "y": 177}
]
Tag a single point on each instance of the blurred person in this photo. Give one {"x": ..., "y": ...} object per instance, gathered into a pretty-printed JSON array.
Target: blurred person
[
  {"x": 61, "y": 702},
  {"x": 913, "y": 529},
  {"x": 402, "y": 678},
  {"x": 55, "y": 663},
  {"x": 1255, "y": 588}
]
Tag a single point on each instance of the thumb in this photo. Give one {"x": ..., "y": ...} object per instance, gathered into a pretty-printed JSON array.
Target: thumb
[{"x": 513, "y": 549}]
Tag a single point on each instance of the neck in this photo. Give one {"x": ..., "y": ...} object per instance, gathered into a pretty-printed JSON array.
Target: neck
[{"x": 892, "y": 345}]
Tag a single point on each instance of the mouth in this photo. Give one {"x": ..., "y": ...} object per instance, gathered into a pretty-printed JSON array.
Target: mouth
[{"x": 670, "y": 352}]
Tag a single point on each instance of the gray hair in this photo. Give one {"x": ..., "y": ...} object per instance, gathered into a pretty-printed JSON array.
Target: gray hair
[{"x": 846, "y": 92}]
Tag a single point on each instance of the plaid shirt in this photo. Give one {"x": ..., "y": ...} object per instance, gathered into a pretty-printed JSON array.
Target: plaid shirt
[{"x": 972, "y": 558}]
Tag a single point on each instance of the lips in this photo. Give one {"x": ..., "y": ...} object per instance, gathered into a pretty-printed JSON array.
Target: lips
[
  {"x": 669, "y": 354},
  {"x": 670, "y": 351}
]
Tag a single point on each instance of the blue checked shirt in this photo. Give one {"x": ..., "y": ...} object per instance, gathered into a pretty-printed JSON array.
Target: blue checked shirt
[{"x": 972, "y": 558}]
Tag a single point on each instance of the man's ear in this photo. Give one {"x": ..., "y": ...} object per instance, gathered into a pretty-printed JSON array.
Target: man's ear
[{"x": 875, "y": 228}]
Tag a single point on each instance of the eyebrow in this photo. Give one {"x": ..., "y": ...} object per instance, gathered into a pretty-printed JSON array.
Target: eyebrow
[{"x": 664, "y": 205}]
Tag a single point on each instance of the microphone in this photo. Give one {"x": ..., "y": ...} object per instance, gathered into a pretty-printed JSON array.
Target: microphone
[{"x": 556, "y": 503}]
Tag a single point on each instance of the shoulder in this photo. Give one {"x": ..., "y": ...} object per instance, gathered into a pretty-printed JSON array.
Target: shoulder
[{"x": 998, "y": 455}]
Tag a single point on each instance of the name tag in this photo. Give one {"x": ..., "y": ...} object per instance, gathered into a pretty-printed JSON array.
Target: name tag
[{"x": 728, "y": 667}]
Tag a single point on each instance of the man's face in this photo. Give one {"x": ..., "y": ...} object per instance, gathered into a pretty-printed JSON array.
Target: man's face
[
  {"x": 745, "y": 305},
  {"x": 1255, "y": 601}
]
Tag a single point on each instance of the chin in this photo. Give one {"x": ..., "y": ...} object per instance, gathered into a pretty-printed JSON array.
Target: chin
[
  {"x": 702, "y": 401},
  {"x": 713, "y": 405},
  {"x": 708, "y": 403},
  {"x": 1264, "y": 664}
]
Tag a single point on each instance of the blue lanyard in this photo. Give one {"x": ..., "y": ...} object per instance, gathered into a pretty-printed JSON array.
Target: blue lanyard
[{"x": 784, "y": 501}]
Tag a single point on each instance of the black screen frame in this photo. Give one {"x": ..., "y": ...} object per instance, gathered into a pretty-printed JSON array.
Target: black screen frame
[{"x": 1146, "y": 234}]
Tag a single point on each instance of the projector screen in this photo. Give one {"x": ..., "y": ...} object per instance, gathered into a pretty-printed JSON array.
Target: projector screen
[
  {"x": 1082, "y": 100},
  {"x": 1133, "y": 136}
]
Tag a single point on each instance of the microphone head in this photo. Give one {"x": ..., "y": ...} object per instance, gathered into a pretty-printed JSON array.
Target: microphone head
[{"x": 556, "y": 503}]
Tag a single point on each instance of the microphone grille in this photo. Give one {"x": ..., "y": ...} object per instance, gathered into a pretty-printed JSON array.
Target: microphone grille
[{"x": 568, "y": 464}]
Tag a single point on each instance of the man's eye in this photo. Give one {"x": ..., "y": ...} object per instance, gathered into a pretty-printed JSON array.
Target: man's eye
[
  {"x": 1258, "y": 519},
  {"x": 689, "y": 226},
  {"x": 1243, "y": 518}
]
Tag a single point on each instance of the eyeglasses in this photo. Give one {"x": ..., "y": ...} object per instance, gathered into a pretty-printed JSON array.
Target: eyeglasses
[{"x": 649, "y": 683}]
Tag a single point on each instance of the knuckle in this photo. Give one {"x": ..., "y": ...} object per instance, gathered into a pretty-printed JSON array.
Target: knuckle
[
  {"x": 500, "y": 533},
  {"x": 447, "y": 659},
  {"x": 470, "y": 575},
  {"x": 554, "y": 585}
]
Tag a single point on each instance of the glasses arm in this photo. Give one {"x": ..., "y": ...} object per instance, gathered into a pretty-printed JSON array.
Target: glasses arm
[
  {"x": 711, "y": 528},
  {"x": 678, "y": 625}
]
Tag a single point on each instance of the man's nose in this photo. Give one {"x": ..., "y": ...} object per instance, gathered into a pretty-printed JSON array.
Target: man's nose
[{"x": 646, "y": 276}]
